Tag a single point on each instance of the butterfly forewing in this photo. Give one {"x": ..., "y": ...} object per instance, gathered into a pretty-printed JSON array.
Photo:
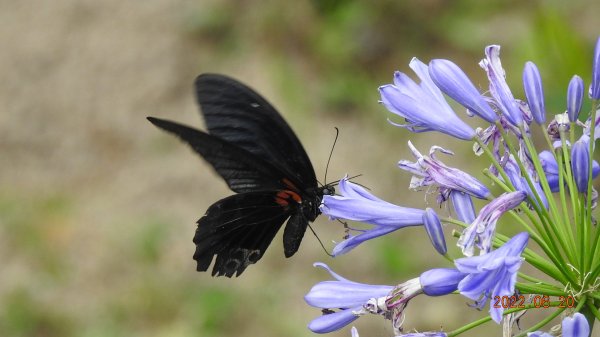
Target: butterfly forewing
[
  {"x": 242, "y": 171},
  {"x": 237, "y": 114}
]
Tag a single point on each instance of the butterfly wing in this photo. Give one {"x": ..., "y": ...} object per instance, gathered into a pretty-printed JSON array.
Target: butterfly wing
[
  {"x": 237, "y": 229},
  {"x": 237, "y": 114},
  {"x": 242, "y": 171}
]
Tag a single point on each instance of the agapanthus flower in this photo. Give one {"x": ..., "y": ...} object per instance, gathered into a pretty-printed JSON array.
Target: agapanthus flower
[
  {"x": 574, "y": 98},
  {"x": 428, "y": 170},
  {"x": 492, "y": 274},
  {"x": 580, "y": 161},
  {"x": 433, "y": 226},
  {"x": 343, "y": 295},
  {"x": 357, "y": 204},
  {"x": 595, "y": 86},
  {"x": 422, "y": 105},
  {"x": 550, "y": 167},
  {"x": 463, "y": 206},
  {"x": 576, "y": 326},
  {"x": 434, "y": 282},
  {"x": 589, "y": 125},
  {"x": 534, "y": 91},
  {"x": 519, "y": 181},
  {"x": 481, "y": 231},
  {"x": 498, "y": 87},
  {"x": 455, "y": 83}
]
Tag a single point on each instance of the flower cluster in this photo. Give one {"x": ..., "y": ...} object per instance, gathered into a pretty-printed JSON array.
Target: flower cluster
[{"x": 544, "y": 184}]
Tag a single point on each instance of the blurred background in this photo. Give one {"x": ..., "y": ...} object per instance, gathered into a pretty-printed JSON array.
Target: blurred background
[{"x": 98, "y": 208}]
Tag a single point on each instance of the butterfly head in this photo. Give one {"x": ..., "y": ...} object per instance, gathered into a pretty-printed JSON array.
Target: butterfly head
[{"x": 327, "y": 190}]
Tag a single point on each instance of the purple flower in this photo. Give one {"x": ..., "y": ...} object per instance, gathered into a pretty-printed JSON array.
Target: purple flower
[
  {"x": 347, "y": 296},
  {"x": 596, "y": 125},
  {"x": 440, "y": 281},
  {"x": 463, "y": 206},
  {"x": 357, "y": 204},
  {"x": 580, "y": 161},
  {"x": 532, "y": 83},
  {"x": 498, "y": 87},
  {"x": 422, "y": 105},
  {"x": 574, "y": 97},
  {"x": 428, "y": 170},
  {"x": 520, "y": 182},
  {"x": 492, "y": 274},
  {"x": 550, "y": 167},
  {"x": 576, "y": 326},
  {"x": 455, "y": 83},
  {"x": 433, "y": 226},
  {"x": 595, "y": 86},
  {"x": 481, "y": 232},
  {"x": 434, "y": 282}
]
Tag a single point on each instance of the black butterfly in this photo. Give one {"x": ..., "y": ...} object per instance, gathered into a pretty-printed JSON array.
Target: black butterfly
[{"x": 260, "y": 158}]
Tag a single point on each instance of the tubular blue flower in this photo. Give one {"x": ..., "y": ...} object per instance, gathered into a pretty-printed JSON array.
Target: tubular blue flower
[
  {"x": 595, "y": 86},
  {"x": 580, "y": 161},
  {"x": 520, "y": 182},
  {"x": 455, "y": 83},
  {"x": 463, "y": 206},
  {"x": 574, "y": 98},
  {"x": 433, "y": 226},
  {"x": 481, "y": 232},
  {"x": 550, "y": 167},
  {"x": 534, "y": 91},
  {"x": 596, "y": 125},
  {"x": 428, "y": 170},
  {"x": 422, "y": 105},
  {"x": 498, "y": 87},
  {"x": 348, "y": 296},
  {"x": 440, "y": 281},
  {"x": 492, "y": 274},
  {"x": 576, "y": 326},
  {"x": 357, "y": 204},
  {"x": 434, "y": 282}
]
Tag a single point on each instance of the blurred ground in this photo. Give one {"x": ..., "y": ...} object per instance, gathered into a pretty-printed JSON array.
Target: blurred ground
[{"x": 98, "y": 208}]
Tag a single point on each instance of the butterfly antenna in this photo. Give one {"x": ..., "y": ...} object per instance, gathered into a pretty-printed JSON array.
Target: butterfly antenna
[
  {"x": 337, "y": 133},
  {"x": 320, "y": 242}
]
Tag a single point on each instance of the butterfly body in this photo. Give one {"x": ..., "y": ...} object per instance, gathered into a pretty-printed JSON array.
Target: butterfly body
[{"x": 260, "y": 158}]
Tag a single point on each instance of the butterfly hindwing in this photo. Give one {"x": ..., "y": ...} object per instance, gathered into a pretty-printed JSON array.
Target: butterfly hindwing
[
  {"x": 237, "y": 230},
  {"x": 237, "y": 114}
]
